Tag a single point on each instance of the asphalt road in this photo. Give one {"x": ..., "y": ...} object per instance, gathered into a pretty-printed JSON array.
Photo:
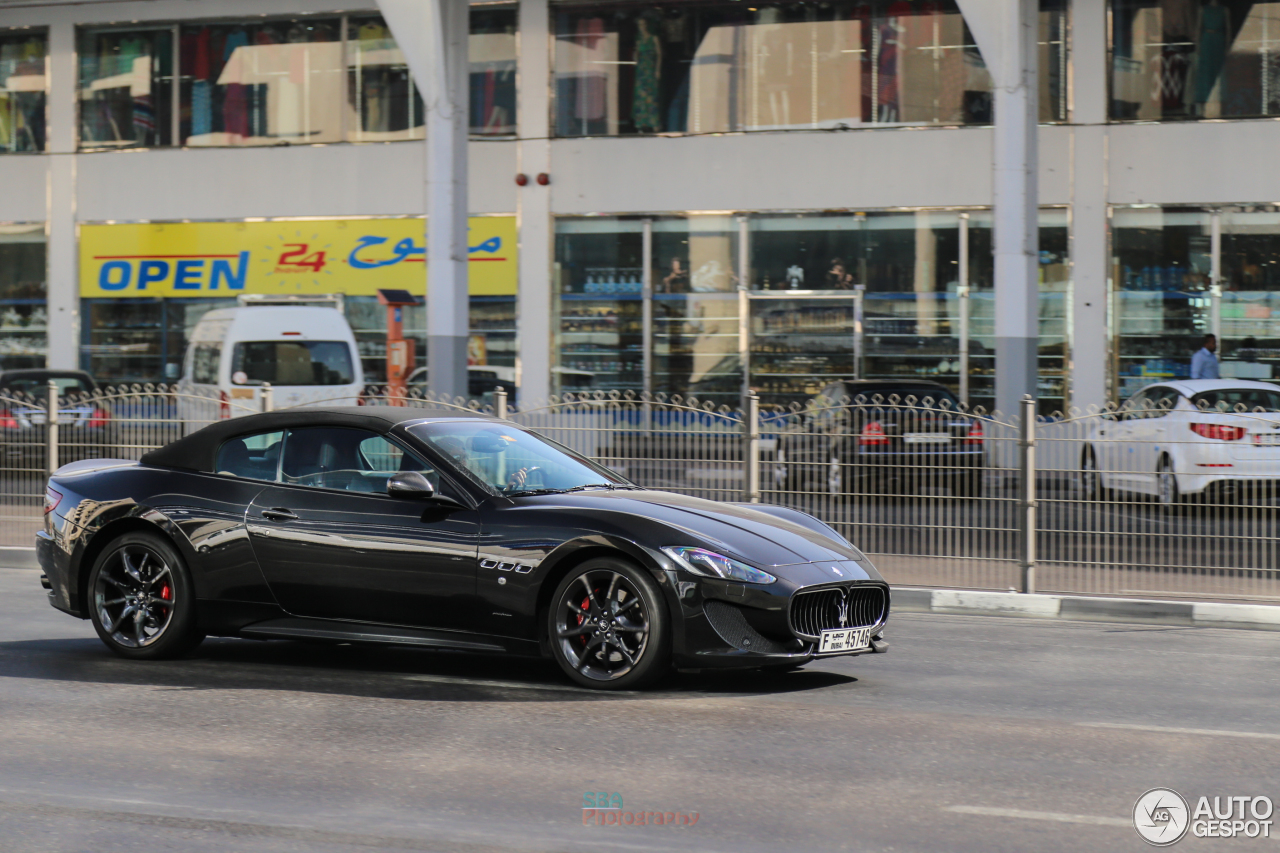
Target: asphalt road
[{"x": 972, "y": 734}]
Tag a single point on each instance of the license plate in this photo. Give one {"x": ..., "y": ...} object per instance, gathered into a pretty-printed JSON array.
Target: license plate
[
  {"x": 926, "y": 438},
  {"x": 844, "y": 640},
  {"x": 1267, "y": 439}
]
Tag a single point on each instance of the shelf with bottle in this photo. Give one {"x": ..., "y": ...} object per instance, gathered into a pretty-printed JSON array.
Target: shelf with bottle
[{"x": 607, "y": 281}]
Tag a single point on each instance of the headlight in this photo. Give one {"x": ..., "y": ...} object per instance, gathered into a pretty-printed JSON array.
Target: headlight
[{"x": 709, "y": 564}]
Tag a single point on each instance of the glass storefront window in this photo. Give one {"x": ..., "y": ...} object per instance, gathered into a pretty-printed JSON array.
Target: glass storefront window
[
  {"x": 262, "y": 83},
  {"x": 139, "y": 340},
  {"x": 1161, "y": 269},
  {"x": 1194, "y": 59},
  {"x": 24, "y": 82},
  {"x": 903, "y": 267},
  {"x": 380, "y": 90},
  {"x": 23, "y": 314},
  {"x": 598, "y": 282},
  {"x": 695, "y": 308},
  {"x": 719, "y": 66},
  {"x": 492, "y": 57},
  {"x": 1249, "y": 312},
  {"x": 126, "y": 87}
]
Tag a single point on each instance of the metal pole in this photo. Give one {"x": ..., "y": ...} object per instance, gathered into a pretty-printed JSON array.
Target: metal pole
[
  {"x": 646, "y": 304},
  {"x": 751, "y": 448},
  {"x": 859, "y": 294},
  {"x": 744, "y": 306},
  {"x": 267, "y": 401},
  {"x": 1215, "y": 278},
  {"x": 51, "y": 423},
  {"x": 962, "y": 307},
  {"x": 500, "y": 403},
  {"x": 1027, "y": 501}
]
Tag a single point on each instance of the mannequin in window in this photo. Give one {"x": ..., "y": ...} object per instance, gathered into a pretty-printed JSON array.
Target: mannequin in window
[
  {"x": 1171, "y": 75},
  {"x": 644, "y": 106}
]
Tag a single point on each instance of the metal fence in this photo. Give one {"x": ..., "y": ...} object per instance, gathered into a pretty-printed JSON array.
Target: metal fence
[{"x": 1152, "y": 502}]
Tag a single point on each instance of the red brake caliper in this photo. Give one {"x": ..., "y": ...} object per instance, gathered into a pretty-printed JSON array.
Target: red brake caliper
[
  {"x": 165, "y": 593},
  {"x": 586, "y": 608}
]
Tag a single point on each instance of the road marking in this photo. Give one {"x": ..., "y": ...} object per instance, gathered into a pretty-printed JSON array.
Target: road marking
[
  {"x": 1057, "y": 817},
  {"x": 1179, "y": 731}
]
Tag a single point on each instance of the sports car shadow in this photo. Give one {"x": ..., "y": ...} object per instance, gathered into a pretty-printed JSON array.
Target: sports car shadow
[{"x": 368, "y": 671}]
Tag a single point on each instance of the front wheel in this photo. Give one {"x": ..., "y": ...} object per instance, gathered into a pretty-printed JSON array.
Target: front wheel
[
  {"x": 608, "y": 626},
  {"x": 143, "y": 603},
  {"x": 1091, "y": 478}
]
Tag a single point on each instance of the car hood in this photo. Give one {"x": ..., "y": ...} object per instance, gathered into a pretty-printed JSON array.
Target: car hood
[{"x": 756, "y": 537}]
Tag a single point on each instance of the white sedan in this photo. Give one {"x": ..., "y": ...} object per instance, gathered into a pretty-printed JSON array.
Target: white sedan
[{"x": 1181, "y": 439}]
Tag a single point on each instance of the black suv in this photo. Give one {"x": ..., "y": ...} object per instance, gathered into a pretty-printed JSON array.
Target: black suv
[{"x": 879, "y": 436}]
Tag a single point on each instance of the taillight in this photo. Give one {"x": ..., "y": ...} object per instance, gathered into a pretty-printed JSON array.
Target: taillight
[
  {"x": 975, "y": 435},
  {"x": 224, "y": 408},
  {"x": 1221, "y": 432},
  {"x": 7, "y": 420},
  {"x": 51, "y": 500},
  {"x": 873, "y": 433},
  {"x": 99, "y": 418},
  {"x": 360, "y": 399}
]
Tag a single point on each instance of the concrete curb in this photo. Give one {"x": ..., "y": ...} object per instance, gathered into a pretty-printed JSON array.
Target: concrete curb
[
  {"x": 1258, "y": 617},
  {"x": 18, "y": 558}
]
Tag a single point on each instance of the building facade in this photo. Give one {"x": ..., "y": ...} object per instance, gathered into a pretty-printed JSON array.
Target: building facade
[{"x": 715, "y": 197}]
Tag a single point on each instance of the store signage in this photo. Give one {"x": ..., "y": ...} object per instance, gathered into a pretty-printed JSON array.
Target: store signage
[{"x": 356, "y": 257}]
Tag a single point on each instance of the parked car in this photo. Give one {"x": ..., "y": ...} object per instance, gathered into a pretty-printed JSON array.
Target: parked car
[
  {"x": 307, "y": 353},
  {"x": 466, "y": 533},
  {"x": 482, "y": 381},
  {"x": 1187, "y": 439},
  {"x": 876, "y": 436},
  {"x": 85, "y": 425}
]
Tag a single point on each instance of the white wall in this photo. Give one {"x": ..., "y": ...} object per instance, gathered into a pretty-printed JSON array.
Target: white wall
[{"x": 313, "y": 180}]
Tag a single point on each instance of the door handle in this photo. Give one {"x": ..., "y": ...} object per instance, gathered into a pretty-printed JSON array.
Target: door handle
[{"x": 279, "y": 514}]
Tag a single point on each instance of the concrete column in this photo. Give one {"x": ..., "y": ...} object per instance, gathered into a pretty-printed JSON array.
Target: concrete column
[
  {"x": 63, "y": 268},
  {"x": 1015, "y": 177},
  {"x": 535, "y": 302},
  {"x": 1090, "y": 260},
  {"x": 448, "y": 297},
  {"x": 433, "y": 34}
]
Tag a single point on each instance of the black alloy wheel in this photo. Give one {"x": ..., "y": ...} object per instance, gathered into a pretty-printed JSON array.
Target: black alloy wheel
[
  {"x": 142, "y": 601},
  {"x": 608, "y": 626}
]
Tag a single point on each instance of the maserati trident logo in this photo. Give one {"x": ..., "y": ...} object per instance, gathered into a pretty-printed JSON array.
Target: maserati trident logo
[{"x": 843, "y": 611}]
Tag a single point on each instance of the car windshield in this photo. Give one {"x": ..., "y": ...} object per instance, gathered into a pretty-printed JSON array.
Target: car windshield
[
  {"x": 292, "y": 363},
  {"x": 510, "y": 461},
  {"x": 1238, "y": 399}
]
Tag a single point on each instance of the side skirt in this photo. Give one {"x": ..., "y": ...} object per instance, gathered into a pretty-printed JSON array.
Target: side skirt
[{"x": 298, "y": 628}]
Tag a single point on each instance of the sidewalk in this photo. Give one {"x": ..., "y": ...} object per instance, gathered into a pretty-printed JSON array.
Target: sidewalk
[{"x": 1212, "y": 614}]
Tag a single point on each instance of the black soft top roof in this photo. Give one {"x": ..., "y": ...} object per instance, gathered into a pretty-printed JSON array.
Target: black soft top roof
[{"x": 198, "y": 451}]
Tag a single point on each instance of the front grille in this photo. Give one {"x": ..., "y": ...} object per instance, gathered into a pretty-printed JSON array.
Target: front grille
[{"x": 819, "y": 610}]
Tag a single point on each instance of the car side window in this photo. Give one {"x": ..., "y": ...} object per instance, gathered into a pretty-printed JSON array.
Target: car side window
[
  {"x": 1162, "y": 402},
  {"x": 1135, "y": 407},
  {"x": 253, "y": 457},
  {"x": 353, "y": 460}
]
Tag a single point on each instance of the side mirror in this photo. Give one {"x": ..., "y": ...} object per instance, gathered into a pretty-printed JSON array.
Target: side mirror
[{"x": 410, "y": 485}]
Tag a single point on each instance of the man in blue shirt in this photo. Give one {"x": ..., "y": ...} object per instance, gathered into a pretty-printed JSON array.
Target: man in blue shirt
[{"x": 1204, "y": 364}]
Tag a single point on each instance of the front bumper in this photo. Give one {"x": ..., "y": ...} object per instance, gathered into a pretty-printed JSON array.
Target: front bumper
[{"x": 728, "y": 625}]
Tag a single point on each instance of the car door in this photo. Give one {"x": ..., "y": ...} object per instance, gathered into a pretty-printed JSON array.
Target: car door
[
  {"x": 1114, "y": 445},
  {"x": 1148, "y": 435},
  {"x": 332, "y": 544}
]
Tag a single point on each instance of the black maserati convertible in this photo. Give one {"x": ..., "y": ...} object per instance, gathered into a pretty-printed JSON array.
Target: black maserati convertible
[{"x": 388, "y": 525}]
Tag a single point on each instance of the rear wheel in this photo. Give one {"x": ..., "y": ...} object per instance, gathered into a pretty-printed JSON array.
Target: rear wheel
[
  {"x": 608, "y": 626},
  {"x": 1167, "y": 493},
  {"x": 1090, "y": 478},
  {"x": 142, "y": 599}
]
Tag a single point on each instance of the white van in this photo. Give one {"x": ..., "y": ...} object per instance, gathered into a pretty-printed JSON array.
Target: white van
[{"x": 307, "y": 354}]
